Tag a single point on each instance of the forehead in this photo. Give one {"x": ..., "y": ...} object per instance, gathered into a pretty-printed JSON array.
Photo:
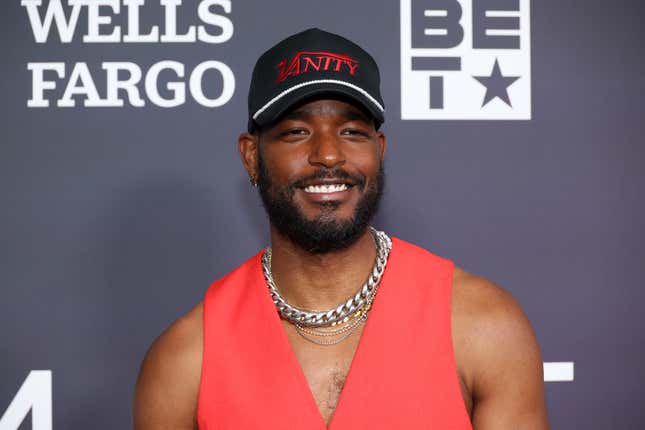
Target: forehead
[{"x": 326, "y": 108}]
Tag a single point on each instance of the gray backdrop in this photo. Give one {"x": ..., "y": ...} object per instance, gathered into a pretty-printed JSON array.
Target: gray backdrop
[{"x": 114, "y": 221}]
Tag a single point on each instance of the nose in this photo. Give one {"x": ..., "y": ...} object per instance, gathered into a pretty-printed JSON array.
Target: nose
[{"x": 326, "y": 150}]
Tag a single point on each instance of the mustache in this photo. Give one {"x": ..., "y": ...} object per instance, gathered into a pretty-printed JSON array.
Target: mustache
[{"x": 334, "y": 174}]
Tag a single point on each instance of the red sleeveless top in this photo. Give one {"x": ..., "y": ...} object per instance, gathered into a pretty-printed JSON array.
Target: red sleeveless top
[{"x": 403, "y": 375}]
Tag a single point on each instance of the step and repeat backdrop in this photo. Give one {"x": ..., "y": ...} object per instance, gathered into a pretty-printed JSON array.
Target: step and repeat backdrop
[{"x": 515, "y": 133}]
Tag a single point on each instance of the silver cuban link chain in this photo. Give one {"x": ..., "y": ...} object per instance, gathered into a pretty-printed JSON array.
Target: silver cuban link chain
[{"x": 364, "y": 295}]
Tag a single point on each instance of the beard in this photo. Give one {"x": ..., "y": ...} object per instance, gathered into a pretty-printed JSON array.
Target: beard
[{"x": 324, "y": 233}]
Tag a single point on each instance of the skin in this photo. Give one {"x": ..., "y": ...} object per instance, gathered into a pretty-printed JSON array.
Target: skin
[{"x": 497, "y": 356}]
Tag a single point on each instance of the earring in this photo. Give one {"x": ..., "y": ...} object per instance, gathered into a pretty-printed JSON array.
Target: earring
[{"x": 253, "y": 181}]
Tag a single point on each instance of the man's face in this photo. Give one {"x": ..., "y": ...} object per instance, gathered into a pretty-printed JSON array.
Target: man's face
[{"x": 320, "y": 174}]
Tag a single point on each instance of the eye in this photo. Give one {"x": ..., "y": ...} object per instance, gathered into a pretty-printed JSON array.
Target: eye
[
  {"x": 293, "y": 134},
  {"x": 354, "y": 132},
  {"x": 296, "y": 131}
]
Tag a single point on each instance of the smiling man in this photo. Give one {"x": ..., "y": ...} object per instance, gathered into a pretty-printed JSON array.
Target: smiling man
[{"x": 337, "y": 325}]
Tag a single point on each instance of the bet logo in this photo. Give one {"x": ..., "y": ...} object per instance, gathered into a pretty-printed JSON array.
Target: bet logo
[{"x": 465, "y": 59}]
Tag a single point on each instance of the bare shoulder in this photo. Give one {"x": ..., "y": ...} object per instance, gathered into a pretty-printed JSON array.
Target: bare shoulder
[
  {"x": 492, "y": 310},
  {"x": 497, "y": 355},
  {"x": 168, "y": 385}
]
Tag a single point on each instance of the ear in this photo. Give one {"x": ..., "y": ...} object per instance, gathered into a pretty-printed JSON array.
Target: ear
[
  {"x": 382, "y": 143},
  {"x": 248, "y": 147}
]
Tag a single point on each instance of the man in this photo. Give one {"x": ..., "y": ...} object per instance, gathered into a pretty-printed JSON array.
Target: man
[{"x": 337, "y": 325}]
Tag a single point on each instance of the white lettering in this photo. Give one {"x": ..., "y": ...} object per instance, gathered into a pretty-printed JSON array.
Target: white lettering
[
  {"x": 196, "y": 84},
  {"x": 35, "y": 394},
  {"x": 81, "y": 74},
  {"x": 178, "y": 89},
  {"x": 129, "y": 85},
  {"x": 38, "y": 83},
  {"x": 134, "y": 32},
  {"x": 95, "y": 20},
  {"x": 560, "y": 371},
  {"x": 124, "y": 83},
  {"x": 42, "y": 21},
  {"x": 215, "y": 20},
  {"x": 170, "y": 31},
  {"x": 54, "y": 12}
]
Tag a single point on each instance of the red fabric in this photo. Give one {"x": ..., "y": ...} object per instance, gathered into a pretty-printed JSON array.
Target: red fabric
[{"x": 403, "y": 375}]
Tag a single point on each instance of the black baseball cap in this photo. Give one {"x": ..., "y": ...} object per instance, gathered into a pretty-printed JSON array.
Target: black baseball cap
[{"x": 311, "y": 64}]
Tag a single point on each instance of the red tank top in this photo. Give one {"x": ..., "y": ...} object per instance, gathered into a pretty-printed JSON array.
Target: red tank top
[{"x": 403, "y": 375}]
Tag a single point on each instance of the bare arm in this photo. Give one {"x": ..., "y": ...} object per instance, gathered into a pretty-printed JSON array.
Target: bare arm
[
  {"x": 168, "y": 385},
  {"x": 498, "y": 357}
]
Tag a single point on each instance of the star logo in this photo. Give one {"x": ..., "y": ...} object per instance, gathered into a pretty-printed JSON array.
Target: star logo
[{"x": 496, "y": 85}]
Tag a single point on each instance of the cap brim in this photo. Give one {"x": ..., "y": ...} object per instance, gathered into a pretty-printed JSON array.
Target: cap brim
[{"x": 284, "y": 104}]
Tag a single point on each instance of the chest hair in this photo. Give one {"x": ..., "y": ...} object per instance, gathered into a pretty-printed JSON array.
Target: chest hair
[{"x": 328, "y": 390}]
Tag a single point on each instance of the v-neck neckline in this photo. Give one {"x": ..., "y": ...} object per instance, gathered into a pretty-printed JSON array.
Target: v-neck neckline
[{"x": 285, "y": 349}]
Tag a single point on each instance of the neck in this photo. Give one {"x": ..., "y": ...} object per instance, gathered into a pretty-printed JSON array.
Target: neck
[{"x": 320, "y": 281}]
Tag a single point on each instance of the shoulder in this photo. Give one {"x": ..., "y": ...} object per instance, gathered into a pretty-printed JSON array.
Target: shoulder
[
  {"x": 489, "y": 328},
  {"x": 496, "y": 352},
  {"x": 168, "y": 385},
  {"x": 489, "y": 325},
  {"x": 475, "y": 299}
]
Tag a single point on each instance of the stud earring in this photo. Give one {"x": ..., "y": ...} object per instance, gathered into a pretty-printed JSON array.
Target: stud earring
[{"x": 253, "y": 181}]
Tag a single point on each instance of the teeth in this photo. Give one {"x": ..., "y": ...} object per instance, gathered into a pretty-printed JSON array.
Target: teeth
[{"x": 332, "y": 188}]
